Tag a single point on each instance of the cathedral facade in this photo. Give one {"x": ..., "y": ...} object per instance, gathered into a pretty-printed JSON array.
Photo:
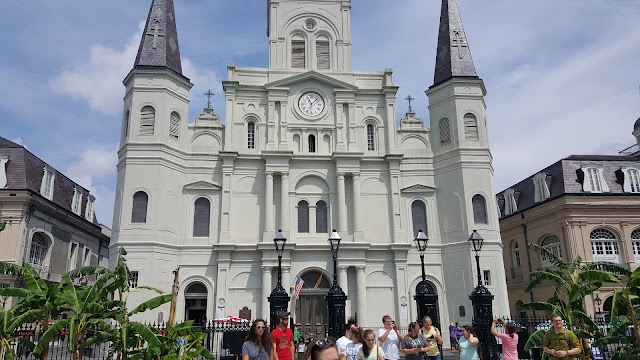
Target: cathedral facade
[{"x": 307, "y": 145}]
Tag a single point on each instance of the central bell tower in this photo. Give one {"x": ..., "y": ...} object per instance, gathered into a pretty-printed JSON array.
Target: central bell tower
[{"x": 309, "y": 35}]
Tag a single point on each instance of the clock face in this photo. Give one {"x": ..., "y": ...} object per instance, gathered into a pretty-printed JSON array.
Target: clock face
[{"x": 311, "y": 103}]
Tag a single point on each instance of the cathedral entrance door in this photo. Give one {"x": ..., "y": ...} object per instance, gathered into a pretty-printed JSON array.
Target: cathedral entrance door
[
  {"x": 195, "y": 297},
  {"x": 311, "y": 307}
]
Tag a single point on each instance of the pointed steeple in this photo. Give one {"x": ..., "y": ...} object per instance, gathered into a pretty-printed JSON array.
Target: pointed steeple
[
  {"x": 453, "y": 57},
  {"x": 159, "y": 43}
]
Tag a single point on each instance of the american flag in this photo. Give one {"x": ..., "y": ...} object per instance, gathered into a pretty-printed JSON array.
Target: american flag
[{"x": 299, "y": 284}]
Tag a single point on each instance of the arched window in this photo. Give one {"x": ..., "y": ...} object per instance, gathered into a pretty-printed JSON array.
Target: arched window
[
  {"x": 303, "y": 217},
  {"x": 312, "y": 143},
  {"x": 147, "y": 120},
  {"x": 125, "y": 128},
  {"x": 201, "y": 217},
  {"x": 552, "y": 244},
  {"x": 298, "y": 52},
  {"x": 38, "y": 249},
  {"x": 419, "y": 217},
  {"x": 371, "y": 137},
  {"x": 139, "y": 208},
  {"x": 470, "y": 127},
  {"x": 174, "y": 125},
  {"x": 635, "y": 241},
  {"x": 321, "y": 217},
  {"x": 479, "y": 209},
  {"x": 631, "y": 180},
  {"x": 251, "y": 135},
  {"x": 323, "y": 53},
  {"x": 604, "y": 246},
  {"x": 445, "y": 132},
  {"x": 515, "y": 254}
]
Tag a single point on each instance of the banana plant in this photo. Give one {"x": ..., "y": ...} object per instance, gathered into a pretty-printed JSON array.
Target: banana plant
[
  {"x": 178, "y": 342},
  {"x": 10, "y": 321},
  {"x": 571, "y": 281}
]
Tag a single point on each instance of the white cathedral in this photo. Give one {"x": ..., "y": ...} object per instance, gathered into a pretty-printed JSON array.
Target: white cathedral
[{"x": 307, "y": 145}]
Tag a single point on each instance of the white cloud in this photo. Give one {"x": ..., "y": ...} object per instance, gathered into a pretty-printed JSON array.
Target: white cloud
[{"x": 18, "y": 141}]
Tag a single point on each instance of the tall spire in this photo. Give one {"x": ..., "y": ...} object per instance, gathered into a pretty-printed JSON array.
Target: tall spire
[
  {"x": 159, "y": 43},
  {"x": 453, "y": 57}
]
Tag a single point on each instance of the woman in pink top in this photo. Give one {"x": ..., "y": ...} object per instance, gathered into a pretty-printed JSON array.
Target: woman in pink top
[{"x": 509, "y": 339}]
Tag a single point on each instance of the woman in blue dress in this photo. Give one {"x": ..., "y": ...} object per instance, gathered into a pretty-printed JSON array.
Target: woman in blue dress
[{"x": 468, "y": 345}]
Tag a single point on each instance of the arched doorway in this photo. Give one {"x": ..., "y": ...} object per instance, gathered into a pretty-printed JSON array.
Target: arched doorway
[
  {"x": 432, "y": 309},
  {"x": 311, "y": 307},
  {"x": 195, "y": 298}
]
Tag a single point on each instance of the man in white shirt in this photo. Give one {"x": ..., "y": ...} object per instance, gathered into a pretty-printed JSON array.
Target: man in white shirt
[
  {"x": 389, "y": 337},
  {"x": 346, "y": 338}
]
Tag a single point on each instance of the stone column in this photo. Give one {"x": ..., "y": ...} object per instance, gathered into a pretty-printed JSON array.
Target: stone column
[
  {"x": 361, "y": 292},
  {"x": 268, "y": 233},
  {"x": 358, "y": 232},
  {"x": 286, "y": 278},
  {"x": 284, "y": 204},
  {"x": 343, "y": 283},
  {"x": 342, "y": 207},
  {"x": 266, "y": 291}
]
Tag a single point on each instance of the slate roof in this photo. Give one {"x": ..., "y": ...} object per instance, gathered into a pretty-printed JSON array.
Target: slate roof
[
  {"x": 453, "y": 56},
  {"x": 159, "y": 43},
  {"x": 637, "y": 124},
  {"x": 564, "y": 177},
  {"x": 25, "y": 171}
]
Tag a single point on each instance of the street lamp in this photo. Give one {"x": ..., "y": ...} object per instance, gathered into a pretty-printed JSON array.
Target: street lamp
[
  {"x": 598, "y": 302},
  {"x": 279, "y": 299},
  {"x": 425, "y": 297},
  {"x": 421, "y": 241},
  {"x": 336, "y": 298},
  {"x": 482, "y": 302}
]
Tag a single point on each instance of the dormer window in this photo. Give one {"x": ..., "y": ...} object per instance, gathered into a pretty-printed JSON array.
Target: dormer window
[
  {"x": 510, "y": 205},
  {"x": 631, "y": 180},
  {"x": 88, "y": 213},
  {"x": 298, "y": 50},
  {"x": 76, "y": 203},
  {"x": 593, "y": 181},
  {"x": 46, "y": 187},
  {"x": 541, "y": 188}
]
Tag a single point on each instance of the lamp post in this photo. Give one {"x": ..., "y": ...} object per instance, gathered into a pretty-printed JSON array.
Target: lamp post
[
  {"x": 279, "y": 299},
  {"x": 482, "y": 302},
  {"x": 425, "y": 297},
  {"x": 336, "y": 298},
  {"x": 598, "y": 302}
]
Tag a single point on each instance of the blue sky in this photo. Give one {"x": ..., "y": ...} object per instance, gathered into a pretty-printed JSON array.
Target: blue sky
[{"x": 562, "y": 76}]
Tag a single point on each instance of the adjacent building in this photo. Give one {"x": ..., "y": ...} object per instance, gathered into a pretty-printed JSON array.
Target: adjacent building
[
  {"x": 582, "y": 205},
  {"x": 50, "y": 222},
  {"x": 308, "y": 145}
]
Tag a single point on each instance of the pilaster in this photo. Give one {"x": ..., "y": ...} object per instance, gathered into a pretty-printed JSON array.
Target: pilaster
[
  {"x": 266, "y": 290},
  {"x": 361, "y": 281},
  {"x": 268, "y": 232},
  {"x": 358, "y": 233},
  {"x": 284, "y": 203},
  {"x": 342, "y": 207}
]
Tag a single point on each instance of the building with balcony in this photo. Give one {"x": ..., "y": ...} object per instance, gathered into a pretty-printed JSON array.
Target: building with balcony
[
  {"x": 50, "y": 222},
  {"x": 582, "y": 205}
]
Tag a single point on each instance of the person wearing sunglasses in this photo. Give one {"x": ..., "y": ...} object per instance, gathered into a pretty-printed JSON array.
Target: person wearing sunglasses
[
  {"x": 370, "y": 350},
  {"x": 282, "y": 338},
  {"x": 321, "y": 349},
  {"x": 257, "y": 345}
]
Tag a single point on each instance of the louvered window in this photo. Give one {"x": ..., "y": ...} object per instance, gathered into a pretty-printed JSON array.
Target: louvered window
[
  {"x": 470, "y": 127},
  {"x": 479, "y": 209},
  {"x": 139, "y": 208},
  {"x": 147, "y": 120},
  {"x": 371, "y": 140},
  {"x": 322, "y": 52},
  {"x": 174, "y": 126},
  {"x": 125, "y": 130},
  {"x": 445, "y": 132},
  {"x": 303, "y": 217},
  {"x": 312, "y": 143},
  {"x": 419, "y": 217},
  {"x": 251, "y": 135},
  {"x": 298, "y": 54},
  {"x": 321, "y": 217},
  {"x": 201, "y": 217}
]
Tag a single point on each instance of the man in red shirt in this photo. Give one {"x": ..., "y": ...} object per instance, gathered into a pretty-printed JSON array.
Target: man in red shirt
[{"x": 282, "y": 338}]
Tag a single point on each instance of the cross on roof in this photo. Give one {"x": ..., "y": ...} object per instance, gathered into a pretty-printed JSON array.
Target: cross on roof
[
  {"x": 209, "y": 94},
  {"x": 409, "y": 99},
  {"x": 155, "y": 30}
]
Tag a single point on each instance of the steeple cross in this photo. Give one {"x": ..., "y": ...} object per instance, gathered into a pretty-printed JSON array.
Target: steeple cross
[
  {"x": 209, "y": 94},
  {"x": 458, "y": 41},
  {"x": 155, "y": 31},
  {"x": 409, "y": 99}
]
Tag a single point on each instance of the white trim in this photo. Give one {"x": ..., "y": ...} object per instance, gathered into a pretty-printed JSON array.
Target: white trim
[
  {"x": 88, "y": 211},
  {"x": 76, "y": 202},
  {"x": 593, "y": 180},
  {"x": 631, "y": 180},
  {"x": 541, "y": 188},
  {"x": 46, "y": 187},
  {"x": 510, "y": 205},
  {"x": 72, "y": 258}
]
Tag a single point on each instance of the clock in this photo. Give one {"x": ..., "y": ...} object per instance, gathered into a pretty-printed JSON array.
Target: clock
[{"x": 311, "y": 103}]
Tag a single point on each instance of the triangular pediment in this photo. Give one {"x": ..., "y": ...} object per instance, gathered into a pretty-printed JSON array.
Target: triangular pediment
[
  {"x": 311, "y": 75},
  {"x": 418, "y": 188},
  {"x": 202, "y": 186}
]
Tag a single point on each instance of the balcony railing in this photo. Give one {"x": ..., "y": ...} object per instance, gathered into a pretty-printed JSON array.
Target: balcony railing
[
  {"x": 516, "y": 273},
  {"x": 630, "y": 150},
  {"x": 43, "y": 271}
]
